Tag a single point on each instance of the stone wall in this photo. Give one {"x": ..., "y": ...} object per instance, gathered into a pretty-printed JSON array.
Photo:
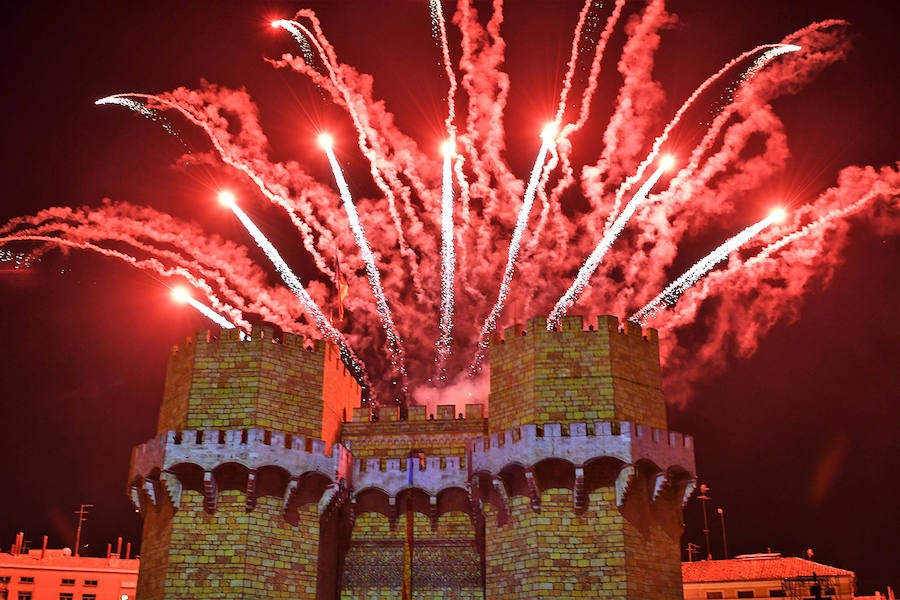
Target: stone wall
[
  {"x": 234, "y": 553},
  {"x": 283, "y": 385},
  {"x": 556, "y": 552},
  {"x": 576, "y": 374}
]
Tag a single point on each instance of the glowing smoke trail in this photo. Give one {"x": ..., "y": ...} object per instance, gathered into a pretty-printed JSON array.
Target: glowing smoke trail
[
  {"x": 772, "y": 50},
  {"x": 304, "y": 226},
  {"x": 593, "y": 261},
  {"x": 150, "y": 264},
  {"x": 394, "y": 342},
  {"x": 573, "y": 61},
  {"x": 182, "y": 295},
  {"x": 670, "y": 295},
  {"x": 448, "y": 258},
  {"x": 588, "y": 93},
  {"x": 490, "y": 323},
  {"x": 404, "y": 217},
  {"x": 822, "y": 221}
]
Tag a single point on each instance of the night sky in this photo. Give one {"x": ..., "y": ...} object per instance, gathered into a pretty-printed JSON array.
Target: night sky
[{"x": 798, "y": 443}]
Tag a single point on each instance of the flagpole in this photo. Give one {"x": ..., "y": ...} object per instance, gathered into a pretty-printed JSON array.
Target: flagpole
[{"x": 406, "y": 592}]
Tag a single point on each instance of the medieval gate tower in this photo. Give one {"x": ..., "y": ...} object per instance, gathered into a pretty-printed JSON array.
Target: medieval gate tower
[{"x": 269, "y": 480}]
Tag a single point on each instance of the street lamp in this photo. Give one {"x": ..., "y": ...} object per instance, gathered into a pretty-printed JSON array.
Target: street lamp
[{"x": 721, "y": 512}]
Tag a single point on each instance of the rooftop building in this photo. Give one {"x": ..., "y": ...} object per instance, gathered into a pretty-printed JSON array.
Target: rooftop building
[
  {"x": 768, "y": 575},
  {"x": 55, "y": 574}
]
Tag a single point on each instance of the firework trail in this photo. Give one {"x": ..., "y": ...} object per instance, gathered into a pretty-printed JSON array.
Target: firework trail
[
  {"x": 616, "y": 221},
  {"x": 770, "y": 52},
  {"x": 152, "y": 115},
  {"x": 288, "y": 276},
  {"x": 768, "y": 289},
  {"x": 561, "y": 156},
  {"x": 670, "y": 295},
  {"x": 381, "y": 169},
  {"x": 593, "y": 261},
  {"x": 437, "y": 17},
  {"x": 448, "y": 260},
  {"x": 182, "y": 295},
  {"x": 149, "y": 264},
  {"x": 395, "y": 344},
  {"x": 490, "y": 323},
  {"x": 587, "y": 95}
]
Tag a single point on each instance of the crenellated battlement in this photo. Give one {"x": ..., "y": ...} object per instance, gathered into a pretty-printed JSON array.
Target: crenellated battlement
[
  {"x": 251, "y": 448},
  {"x": 432, "y": 475},
  {"x": 259, "y": 334},
  {"x": 579, "y": 443},
  {"x": 572, "y": 323},
  {"x": 443, "y": 412}
]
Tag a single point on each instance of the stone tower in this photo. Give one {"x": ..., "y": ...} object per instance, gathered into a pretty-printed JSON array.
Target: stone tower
[
  {"x": 268, "y": 480},
  {"x": 580, "y": 484},
  {"x": 230, "y": 489}
]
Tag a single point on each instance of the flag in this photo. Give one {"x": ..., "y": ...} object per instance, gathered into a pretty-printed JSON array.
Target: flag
[{"x": 341, "y": 286}]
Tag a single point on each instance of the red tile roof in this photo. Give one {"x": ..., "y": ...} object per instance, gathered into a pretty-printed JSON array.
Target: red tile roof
[{"x": 755, "y": 569}]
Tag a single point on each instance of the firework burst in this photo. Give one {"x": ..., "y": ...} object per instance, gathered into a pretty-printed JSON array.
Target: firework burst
[{"x": 445, "y": 248}]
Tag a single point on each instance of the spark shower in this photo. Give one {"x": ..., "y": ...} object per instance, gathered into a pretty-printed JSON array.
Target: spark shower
[{"x": 448, "y": 243}]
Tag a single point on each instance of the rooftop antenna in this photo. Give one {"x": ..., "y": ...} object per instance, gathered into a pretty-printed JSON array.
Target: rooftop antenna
[
  {"x": 691, "y": 548},
  {"x": 82, "y": 517}
]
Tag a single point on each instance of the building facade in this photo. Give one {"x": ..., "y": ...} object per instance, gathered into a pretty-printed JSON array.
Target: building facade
[
  {"x": 54, "y": 574},
  {"x": 767, "y": 575},
  {"x": 269, "y": 479}
]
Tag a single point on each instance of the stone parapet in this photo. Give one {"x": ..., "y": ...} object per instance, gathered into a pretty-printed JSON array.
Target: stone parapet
[
  {"x": 392, "y": 476},
  {"x": 579, "y": 443},
  {"x": 251, "y": 448}
]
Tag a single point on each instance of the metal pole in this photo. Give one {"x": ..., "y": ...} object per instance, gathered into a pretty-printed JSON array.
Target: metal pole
[
  {"x": 704, "y": 489},
  {"x": 721, "y": 512},
  {"x": 81, "y": 512}
]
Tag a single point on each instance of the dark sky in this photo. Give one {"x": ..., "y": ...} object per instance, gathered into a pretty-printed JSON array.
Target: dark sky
[{"x": 798, "y": 442}]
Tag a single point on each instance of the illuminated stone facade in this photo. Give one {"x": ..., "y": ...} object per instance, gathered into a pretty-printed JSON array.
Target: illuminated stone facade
[{"x": 269, "y": 480}]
